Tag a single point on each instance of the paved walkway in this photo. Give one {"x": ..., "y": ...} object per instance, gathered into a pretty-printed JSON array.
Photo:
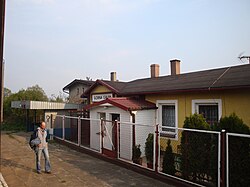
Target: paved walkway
[{"x": 69, "y": 167}]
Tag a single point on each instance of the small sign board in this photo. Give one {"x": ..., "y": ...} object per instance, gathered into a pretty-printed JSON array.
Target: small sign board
[{"x": 100, "y": 97}]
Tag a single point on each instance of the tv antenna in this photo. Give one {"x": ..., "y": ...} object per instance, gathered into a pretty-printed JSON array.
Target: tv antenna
[{"x": 244, "y": 57}]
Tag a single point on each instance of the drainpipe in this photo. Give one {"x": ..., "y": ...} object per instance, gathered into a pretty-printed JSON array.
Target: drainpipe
[{"x": 133, "y": 127}]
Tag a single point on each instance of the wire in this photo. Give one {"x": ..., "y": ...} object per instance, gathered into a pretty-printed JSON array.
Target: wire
[{"x": 219, "y": 77}]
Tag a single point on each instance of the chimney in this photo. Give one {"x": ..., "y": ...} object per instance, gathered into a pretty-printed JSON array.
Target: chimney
[
  {"x": 155, "y": 69},
  {"x": 175, "y": 67},
  {"x": 113, "y": 76}
]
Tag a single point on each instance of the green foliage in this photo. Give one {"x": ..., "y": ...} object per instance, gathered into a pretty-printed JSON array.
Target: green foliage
[
  {"x": 14, "y": 117},
  {"x": 196, "y": 121},
  {"x": 197, "y": 150},
  {"x": 149, "y": 148},
  {"x": 35, "y": 93},
  {"x": 6, "y": 92},
  {"x": 239, "y": 150},
  {"x": 13, "y": 127},
  {"x": 168, "y": 160},
  {"x": 136, "y": 152},
  {"x": 232, "y": 124}
]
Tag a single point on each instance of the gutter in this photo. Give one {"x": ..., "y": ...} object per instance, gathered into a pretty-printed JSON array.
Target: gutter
[{"x": 65, "y": 91}]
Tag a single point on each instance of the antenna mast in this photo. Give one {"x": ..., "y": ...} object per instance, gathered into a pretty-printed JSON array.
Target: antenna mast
[{"x": 245, "y": 57}]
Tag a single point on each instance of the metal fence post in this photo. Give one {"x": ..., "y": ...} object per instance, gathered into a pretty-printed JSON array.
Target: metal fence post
[
  {"x": 223, "y": 161},
  {"x": 118, "y": 139},
  {"x": 156, "y": 147},
  {"x": 101, "y": 134},
  {"x": 79, "y": 130},
  {"x": 227, "y": 160},
  {"x": 63, "y": 128}
]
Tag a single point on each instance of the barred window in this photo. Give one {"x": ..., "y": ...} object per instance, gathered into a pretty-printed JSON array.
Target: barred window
[
  {"x": 210, "y": 113},
  {"x": 211, "y": 109}
]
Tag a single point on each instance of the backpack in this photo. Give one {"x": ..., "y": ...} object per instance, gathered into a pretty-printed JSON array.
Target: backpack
[{"x": 34, "y": 140}]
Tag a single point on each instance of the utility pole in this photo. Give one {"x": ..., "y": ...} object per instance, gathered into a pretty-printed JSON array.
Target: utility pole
[
  {"x": 2, "y": 19},
  {"x": 2, "y": 13}
]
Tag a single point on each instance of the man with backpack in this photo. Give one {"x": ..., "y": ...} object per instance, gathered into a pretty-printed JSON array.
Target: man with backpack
[{"x": 41, "y": 146}]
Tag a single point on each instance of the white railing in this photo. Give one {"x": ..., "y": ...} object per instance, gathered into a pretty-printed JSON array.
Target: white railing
[{"x": 116, "y": 139}]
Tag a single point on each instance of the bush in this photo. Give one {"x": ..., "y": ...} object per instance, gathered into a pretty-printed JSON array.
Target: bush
[
  {"x": 13, "y": 126},
  {"x": 149, "y": 148},
  {"x": 136, "y": 157},
  {"x": 168, "y": 160},
  {"x": 197, "y": 151},
  {"x": 239, "y": 150}
]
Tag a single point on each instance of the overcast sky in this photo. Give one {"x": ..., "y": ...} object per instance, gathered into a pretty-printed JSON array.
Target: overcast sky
[{"x": 53, "y": 42}]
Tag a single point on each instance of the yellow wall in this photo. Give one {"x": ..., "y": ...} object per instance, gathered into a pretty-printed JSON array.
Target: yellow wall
[
  {"x": 99, "y": 89},
  {"x": 237, "y": 101}
]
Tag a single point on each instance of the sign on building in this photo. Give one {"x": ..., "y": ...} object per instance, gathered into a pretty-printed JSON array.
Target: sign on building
[{"x": 100, "y": 97}]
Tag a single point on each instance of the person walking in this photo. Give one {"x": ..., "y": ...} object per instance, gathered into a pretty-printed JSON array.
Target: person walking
[{"x": 42, "y": 148}]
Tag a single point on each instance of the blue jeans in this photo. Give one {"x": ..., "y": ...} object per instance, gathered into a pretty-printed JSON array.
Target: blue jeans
[{"x": 46, "y": 157}]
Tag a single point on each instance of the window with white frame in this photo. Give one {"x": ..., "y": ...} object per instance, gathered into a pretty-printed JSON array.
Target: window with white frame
[
  {"x": 167, "y": 116},
  {"x": 211, "y": 109}
]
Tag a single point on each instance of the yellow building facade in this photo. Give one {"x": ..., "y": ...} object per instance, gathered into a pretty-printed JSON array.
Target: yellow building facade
[{"x": 232, "y": 101}]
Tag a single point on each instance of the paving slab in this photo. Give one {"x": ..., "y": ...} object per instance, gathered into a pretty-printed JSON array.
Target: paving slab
[{"x": 69, "y": 167}]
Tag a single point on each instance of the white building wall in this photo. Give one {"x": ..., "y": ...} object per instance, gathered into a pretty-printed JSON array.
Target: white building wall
[
  {"x": 147, "y": 118},
  {"x": 125, "y": 131}
]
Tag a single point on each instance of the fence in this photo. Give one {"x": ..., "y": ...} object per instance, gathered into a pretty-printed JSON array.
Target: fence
[
  {"x": 131, "y": 144},
  {"x": 198, "y": 157},
  {"x": 238, "y": 159},
  {"x": 190, "y": 155}
]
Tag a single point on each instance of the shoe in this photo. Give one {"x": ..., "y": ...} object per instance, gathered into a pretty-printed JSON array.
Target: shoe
[
  {"x": 48, "y": 172},
  {"x": 39, "y": 172}
]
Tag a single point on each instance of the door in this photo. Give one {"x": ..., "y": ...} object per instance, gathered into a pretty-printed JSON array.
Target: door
[{"x": 110, "y": 136}]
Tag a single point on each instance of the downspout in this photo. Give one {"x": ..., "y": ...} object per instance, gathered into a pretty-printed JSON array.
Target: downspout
[{"x": 133, "y": 127}]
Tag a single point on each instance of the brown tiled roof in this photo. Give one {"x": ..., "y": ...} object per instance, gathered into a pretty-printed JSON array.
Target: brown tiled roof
[
  {"x": 223, "y": 78},
  {"x": 85, "y": 82},
  {"x": 125, "y": 103}
]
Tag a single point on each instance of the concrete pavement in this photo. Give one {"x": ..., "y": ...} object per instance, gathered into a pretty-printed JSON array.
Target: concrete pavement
[{"x": 69, "y": 167}]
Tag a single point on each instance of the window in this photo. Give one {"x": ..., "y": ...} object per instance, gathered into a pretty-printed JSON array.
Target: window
[
  {"x": 82, "y": 90},
  {"x": 102, "y": 115},
  {"x": 167, "y": 116},
  {"x": 77, "y": 91},
  {"x": 210, "y": 109}
]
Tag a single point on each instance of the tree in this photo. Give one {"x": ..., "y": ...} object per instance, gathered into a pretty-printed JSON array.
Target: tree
[
  {"x": 168, "y": 160},
  {"x": 7, "y": 92},
  {"x": 197, "y": 150},
  {"x": 149, "y": 149},
  {"x": 17, "y": 116},
  {"x": 61, "y": 98},
  {"x": 35, "y": 93}
]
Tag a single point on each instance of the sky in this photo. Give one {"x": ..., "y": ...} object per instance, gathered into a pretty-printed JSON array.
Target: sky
[{"x": 53, "y": 42}]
